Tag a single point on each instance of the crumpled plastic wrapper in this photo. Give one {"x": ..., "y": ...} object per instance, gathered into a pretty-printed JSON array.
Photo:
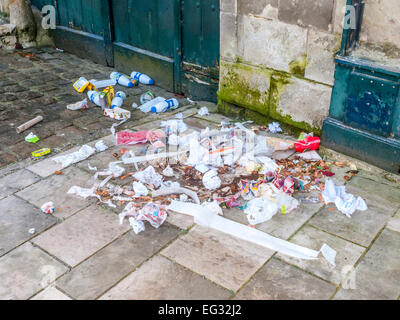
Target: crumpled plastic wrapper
[
  {"x": 345, "y": 202},
  {"x": 211, "y": 180},
  {"x": 48, "y": 208},
  {"x": 140, "y": 189},
  {"x": 100, "y": 146},
  {"x": 151, "y": 212},
  {"x": 203, "y": 112},
  {"x": 83, "y": 153},
  {"x": 149, "y": 176}
]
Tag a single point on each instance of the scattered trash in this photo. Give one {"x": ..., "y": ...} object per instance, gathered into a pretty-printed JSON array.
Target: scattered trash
[
  {"x": 29, "y": 124},
  {"x": 203, "y": 112},
  {"x": 168, "y": 172},
  {"x": 81, "y": 84},
  {"x": 308, "y": 144},
  {"x": 117, "y": 113},
  {"x": 58, "y": 173},
  {"x": 92, "y": 168},
  {"x": 146, "y": 97},
  {"x": 100, "y": 146},
  {"x": 142, "y": 78},
  {"x": 32, "y": 138},
  {"x": 148, "y": 105},
  {"x": 310, "y": 155},
  {"x": 329, "y": 254},
  {"x": 78, "y": 105},
  {"x": 140, "y": 189},
  {"x": 103, "y": 83},
  {"x": 118, "y": 100},
  {"x": 203, "y": 216},
  {"x": 174, "y": 126},
  {"x": 260, "y": 210},
  {"x": 135, "y": 105},
  {"x": 32, "y": 231},
  {"x": 345, "y": 202},
  {"x": 151, "y": 212},
  {"x": 125, "y": 138},
  {"x": 274, "y": 127},
  {"x": 149, "y": 176},
  {"x": 165, "y": 105},
  {"x": 211, "y": 180},
  {"x": 94, "y": 96},
  {"x": 176, "y": 189},
  {"x": 48, "y": 208},
  {"x": 83, "y": 153},
  {"x": 121, "y": 79},
  {"x": 40, "y": 153}
]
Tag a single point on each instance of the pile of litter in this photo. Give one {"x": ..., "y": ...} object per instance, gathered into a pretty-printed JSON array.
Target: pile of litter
[{"x": 200, "y": 172}]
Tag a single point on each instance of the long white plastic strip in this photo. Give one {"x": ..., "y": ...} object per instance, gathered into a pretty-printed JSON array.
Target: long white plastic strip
[{"x": 204, "y": 217}]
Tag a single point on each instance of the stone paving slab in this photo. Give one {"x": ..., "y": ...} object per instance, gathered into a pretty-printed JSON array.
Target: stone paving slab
[
  {"x": 309, "y": 237},
  {"x": 55, "y": 189},
  {"x": 16, "y": 218},
  {"x": 394, "y": 223},
  {"x": 51, "y": 293},
  {"x": 162, "y": 279},
  {"x": 378, "y": 274},
  {"x": 361, "y": 228},
  {"x": 25, "y": 271},
  {"x": 16, "y": 181},
  {"x": 80, "y": 236},
  {"x": 104, "y": 269},
  {"x": 224, "y": 259},
  {"x": 280, "y": 281},
  {"x": 379, "y": 192}
]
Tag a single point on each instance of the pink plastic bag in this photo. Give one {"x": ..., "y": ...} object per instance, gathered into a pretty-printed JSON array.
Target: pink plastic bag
[{"x": 125, "y": 138}]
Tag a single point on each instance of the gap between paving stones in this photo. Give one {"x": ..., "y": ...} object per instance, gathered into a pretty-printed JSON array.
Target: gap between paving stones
[{"x": 358, "y": 261}]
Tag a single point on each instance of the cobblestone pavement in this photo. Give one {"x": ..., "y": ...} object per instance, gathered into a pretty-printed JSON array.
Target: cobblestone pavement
[
  {"x": 42, "y": 85},
  {"x": 82, "y": 252}
]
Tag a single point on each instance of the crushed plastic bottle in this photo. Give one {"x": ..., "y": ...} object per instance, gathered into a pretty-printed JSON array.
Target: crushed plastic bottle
[{"x": 146, "y": 97}]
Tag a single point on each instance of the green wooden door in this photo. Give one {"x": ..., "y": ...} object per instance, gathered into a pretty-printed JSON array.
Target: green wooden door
[{"x": 176, "y": 42}]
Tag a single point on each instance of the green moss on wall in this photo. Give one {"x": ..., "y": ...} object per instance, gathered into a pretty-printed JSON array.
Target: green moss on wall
[
  {"x": 235, "y": 87},
  {"x": 261, "y": 107},
  {"x": 298, "y": 66}
]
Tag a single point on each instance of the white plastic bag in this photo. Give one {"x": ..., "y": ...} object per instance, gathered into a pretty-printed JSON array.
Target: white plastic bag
[
  {"x": 211, "y": 180},
  {"x": 260, "y": 210},
  {"x": 140, "y": 189},
  {"x": 345, "y": 202}
]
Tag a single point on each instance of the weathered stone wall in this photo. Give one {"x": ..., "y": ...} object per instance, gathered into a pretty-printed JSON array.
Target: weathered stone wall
[{"x": 277, "y": 57}]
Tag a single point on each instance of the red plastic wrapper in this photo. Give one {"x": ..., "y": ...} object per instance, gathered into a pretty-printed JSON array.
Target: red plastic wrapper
[
  {"x": 308, "y": 144},
  {"x": 125, "y": 138}
]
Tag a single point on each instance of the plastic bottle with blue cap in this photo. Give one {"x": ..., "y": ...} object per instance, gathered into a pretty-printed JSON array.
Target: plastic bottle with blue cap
[
  {"x": 118, "y": 100},
  {"x": 121, "y": 79},
  {"x": 142, "y": 78},
  {"x": 165, "y": 105}
]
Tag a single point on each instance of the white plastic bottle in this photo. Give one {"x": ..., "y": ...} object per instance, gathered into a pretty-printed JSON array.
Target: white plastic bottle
[
  {"x": 118, "y": 100},
  {"x": 121, "y": 79},
  {"x": 147, "y": 106},
  {"x": 165, "y": 106},
  {"x": 142, "y": 78},
  {"x": 94, "y": 96}
]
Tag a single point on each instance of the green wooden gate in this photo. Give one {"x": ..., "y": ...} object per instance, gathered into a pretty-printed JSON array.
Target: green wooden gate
[{"x": 176, "y": 42}]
